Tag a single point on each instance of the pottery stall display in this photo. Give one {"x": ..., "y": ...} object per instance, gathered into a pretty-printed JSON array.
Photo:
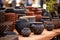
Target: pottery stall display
[
  {"x": 25, "y": 32},
  {"x": 49, "y": 25},
  {"x": 22, "y": 23},
  {"x": 37, "y": 27}
]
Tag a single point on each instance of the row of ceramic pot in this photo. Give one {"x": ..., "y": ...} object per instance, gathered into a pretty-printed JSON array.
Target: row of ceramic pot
[{"x": 24, "y": 27}]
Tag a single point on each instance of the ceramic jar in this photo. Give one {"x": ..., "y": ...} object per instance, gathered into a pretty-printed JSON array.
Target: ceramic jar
[
  {"x": 20, "y": 24},
  {"x": 56, "y": 22},
  {"x": 49, "y": 26},
  {"x": 29, "y": 8},
  {"x": 45, "y": 18},
  {"x": 25, "y": 32},
  {"x": 37, "y": 27},
  {"x": 11, "y": 17},
  {"x": 38, "y": 18}
]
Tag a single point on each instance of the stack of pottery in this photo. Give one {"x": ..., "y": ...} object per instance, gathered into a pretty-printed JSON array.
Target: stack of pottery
[
  {"x": 29, "y": 13},
  {"x": 25, "y": 32},
  {"x": 11, "y": 17},
  {"x": 29, "y": 8},
  {"x": 37, "y": 13},
  {"x": 22, "y": 23},
  {"x": 48, "y": 25},
  {"x": 38, "y": 16},
  {"x": 37, "y": 27},
  {"x": 34, "y": 9}
]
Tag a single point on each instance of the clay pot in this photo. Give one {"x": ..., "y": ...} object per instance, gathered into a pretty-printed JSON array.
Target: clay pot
[
  {"x": 11, "y": 17},
  {"x": 45, "y": 18},
  {"x": 20, "y": 24},
  {"x": 29, "y": 8},
  {"x": 29, "y": 13},
  {"x": 25, "y": 32},
  {"x": 37, "y": 27},
  {"x": 38, "y": 18},
  {"x": 48, "y": 25},
  {"x": 56, "y": 23},
  {"x": 38, "y": 13}
]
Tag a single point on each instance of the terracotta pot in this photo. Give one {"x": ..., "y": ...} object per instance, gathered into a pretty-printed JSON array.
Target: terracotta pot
[
  {"x": 11, "y": 17},
  {"x": 20, "y": 24},
  {"x": 29, "y": 8},
  {"x": 37, "y": 28},
  {"x": 38, "y": 13},
  {"x": 25, "y": 32},
  {"x": 38, "y": 18},
  {"x": 29, "y": 13}
]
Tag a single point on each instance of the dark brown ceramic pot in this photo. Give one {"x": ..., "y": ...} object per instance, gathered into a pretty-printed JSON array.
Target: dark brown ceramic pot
[
  {"x": 25, "y": 32},
  {"x": 45, "y": 18},
  {"x": 48, "y": 25},
  {"x": 20, "y": 24},
  {"x": 56, "y": 23},
  {"x": 37, "y": 27}
]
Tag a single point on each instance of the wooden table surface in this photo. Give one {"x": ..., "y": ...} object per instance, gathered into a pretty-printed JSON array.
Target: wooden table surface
[{"x": 46, "y": 35}]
